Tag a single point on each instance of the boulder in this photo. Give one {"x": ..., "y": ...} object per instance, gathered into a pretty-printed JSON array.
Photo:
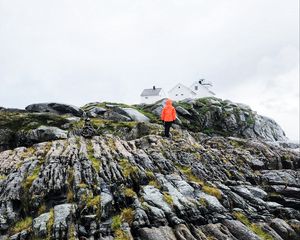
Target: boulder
[
  {"x": 39, "y": 225},
  {"x": 135, "y": 115},
  {"x": 57, "y": 108},
  {"x": 44, "y": 133}
]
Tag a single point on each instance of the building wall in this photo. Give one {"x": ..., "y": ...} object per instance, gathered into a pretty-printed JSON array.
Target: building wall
[
  {"x": 150, "y": 99},
  {"x": 179, "y": 93},
  {"x": 201, "y": 92}
]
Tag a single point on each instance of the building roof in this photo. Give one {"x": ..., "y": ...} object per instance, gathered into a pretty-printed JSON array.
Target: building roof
[
  {"x": 150, "y": 92},
  {"x": 180, "y": 84}
]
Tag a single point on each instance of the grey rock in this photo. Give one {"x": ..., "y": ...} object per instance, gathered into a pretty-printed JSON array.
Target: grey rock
[
  {"x": 135, "y": 115},
  {"x": 239, "y": 230},
  {"x": 57, "y": 108},
  {"x": 283, "y": 229},
  {"x": 161, "y": 233},
  {"x": 39, "y": 225},
  {"x": 45, "y": 133}
]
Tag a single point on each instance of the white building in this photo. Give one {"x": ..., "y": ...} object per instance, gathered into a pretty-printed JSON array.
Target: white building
[
  {"x": 152, "y": 95},
  {"x": 180, "y": 92},
  {"x": 202, "y": 88}
]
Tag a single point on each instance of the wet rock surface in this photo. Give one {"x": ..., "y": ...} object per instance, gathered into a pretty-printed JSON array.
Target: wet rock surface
[{"x": 124, "y": 181}]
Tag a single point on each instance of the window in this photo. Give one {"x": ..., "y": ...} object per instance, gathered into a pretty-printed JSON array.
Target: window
[
  {"x": 176, "y": 95},
  {"x": 196, "y": 87},
  {"x": 178, "y": 86},
  {"x": 181, "y": 94},
  {"x": 146, "y": 97}
]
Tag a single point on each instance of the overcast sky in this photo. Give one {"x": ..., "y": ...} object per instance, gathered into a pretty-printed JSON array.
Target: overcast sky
[{"x": 94, "y": 50}]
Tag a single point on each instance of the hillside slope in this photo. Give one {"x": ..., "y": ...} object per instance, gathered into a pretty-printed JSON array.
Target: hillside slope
[{"x": 227, "y": 173}]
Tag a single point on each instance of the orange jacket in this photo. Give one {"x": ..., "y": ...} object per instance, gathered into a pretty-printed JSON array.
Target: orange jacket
[{"x": 168, "y": 113}]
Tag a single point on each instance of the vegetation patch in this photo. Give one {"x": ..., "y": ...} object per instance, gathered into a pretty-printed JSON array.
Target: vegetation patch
[
  {"x": 29, "y": 180},
  {"x": 3, "y": 177},
  {"x": 252, "y": 226},
  {"x": 168, "y": 198},
  {"x": 128, "y": 192},
  {"x": 50, "y": 224},
  {"x": 187, "y": 171},
  {"x": 127, "y": 168},
  {"x": 155, "y": 184},
  {"x": 212, "y": 191},
  {"x": 95, "y": 162},
  {"x": 127, "y": 215},
  {"x": 21, "y": 225},
  {"x": 116, "y": 222},
  {"x": 203, "y": 202}
]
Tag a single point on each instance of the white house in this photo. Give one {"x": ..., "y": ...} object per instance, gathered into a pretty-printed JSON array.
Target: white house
[
  {"x": 180, "y": 92},
  {"x": 152, "y": 95},
  {"x": 202, "y": 88}
]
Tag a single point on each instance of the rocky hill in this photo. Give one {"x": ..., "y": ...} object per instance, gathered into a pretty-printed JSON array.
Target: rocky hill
[{"x": 226, "y": 173}]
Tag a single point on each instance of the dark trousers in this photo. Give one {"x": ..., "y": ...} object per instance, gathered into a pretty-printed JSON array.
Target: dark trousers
[{"x": 167, "y": 128}]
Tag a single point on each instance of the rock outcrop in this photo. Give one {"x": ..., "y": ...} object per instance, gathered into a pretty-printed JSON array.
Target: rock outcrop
[{"x": 125, "y": 181}]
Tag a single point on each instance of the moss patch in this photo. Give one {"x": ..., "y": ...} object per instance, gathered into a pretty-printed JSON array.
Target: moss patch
[
  {"x": 127, "y": 168},
  {"x": 95, "y": 162},
  {"x": 168, "y": 198},
  {"x": 21, "y": 225},
  {"x": 252, "y": 226},
  {"x": 212, "y": 191}
]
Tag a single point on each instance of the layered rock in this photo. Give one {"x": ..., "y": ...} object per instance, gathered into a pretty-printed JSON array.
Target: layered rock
[{"x": 123, "y": 180}]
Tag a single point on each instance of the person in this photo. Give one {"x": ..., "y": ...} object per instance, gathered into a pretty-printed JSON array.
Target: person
[{"x": 168, "y": 116}]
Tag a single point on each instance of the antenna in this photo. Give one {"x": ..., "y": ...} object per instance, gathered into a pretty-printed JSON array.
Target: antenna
[{"x": 202, "y": 81}]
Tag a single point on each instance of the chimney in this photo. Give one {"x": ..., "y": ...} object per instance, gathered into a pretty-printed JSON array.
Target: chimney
[{"x": 153, "y": 87}]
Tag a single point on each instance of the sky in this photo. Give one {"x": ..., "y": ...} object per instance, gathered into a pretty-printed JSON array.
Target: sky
[{"x": 76, "y": 52}]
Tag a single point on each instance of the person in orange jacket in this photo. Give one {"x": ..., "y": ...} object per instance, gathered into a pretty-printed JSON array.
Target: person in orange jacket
[{"x": 168, "y": 116}]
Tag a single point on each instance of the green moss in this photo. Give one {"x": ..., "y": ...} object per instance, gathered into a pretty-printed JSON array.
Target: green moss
[
  {"x": 82, "y": 185},
  {"x": 187, "y": 171},
  {"x": 26, "y": 121},
  {"x": 155, "y": 184},
  {"x": 121, "y": 235},
  {"x": 150, "y": 174},
  {"x": 3, "y": 177},
  {"x": 72, "y": 232},
  {"x": 29, "y": 180},
  {"x": 212, "y": 191},
  {"x": 168, "y": 198},
  {"x": 203, "y": 202},
  {"x": 21, "y": 225},
  {"x": 70, "y": 180},
  {"x": 252, "y": 226},
  {"x": 128, "y": 192},
  {"x": 50, "y": 224},
  {"x": 127, "y": 168},
  {"x": 127, "y": 215},
  {"x": 116, "y": 222}
]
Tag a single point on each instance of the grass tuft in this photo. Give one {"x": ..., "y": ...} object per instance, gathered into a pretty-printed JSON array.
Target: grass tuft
[{"x": 21, "y": 225}]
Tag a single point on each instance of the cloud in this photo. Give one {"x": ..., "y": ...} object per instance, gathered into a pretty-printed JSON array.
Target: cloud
[{"x": 82, "y": 51}]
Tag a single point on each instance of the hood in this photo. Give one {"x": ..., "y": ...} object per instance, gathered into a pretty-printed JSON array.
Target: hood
[{"x": 169, "y": 102}]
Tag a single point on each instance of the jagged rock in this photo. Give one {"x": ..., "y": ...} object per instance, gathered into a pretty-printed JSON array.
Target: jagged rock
[
  {"x": 39, "y": 225},
  {"x": 57, "y": 108},
  {"x": 96, "y": 111},
  {"x": 63, "y": 215},
  {"x": 135, "y": 115},
  {"x": 239, "y": 230},
  {"x": 283, "y": 229},
  {"x": 162, "y": 233},
  {"x": 130, "y": 182},
  {"x": 43, "y": 134},
  {"x": 114, "y": 116},
  {"x": 6, "y": 138}
]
